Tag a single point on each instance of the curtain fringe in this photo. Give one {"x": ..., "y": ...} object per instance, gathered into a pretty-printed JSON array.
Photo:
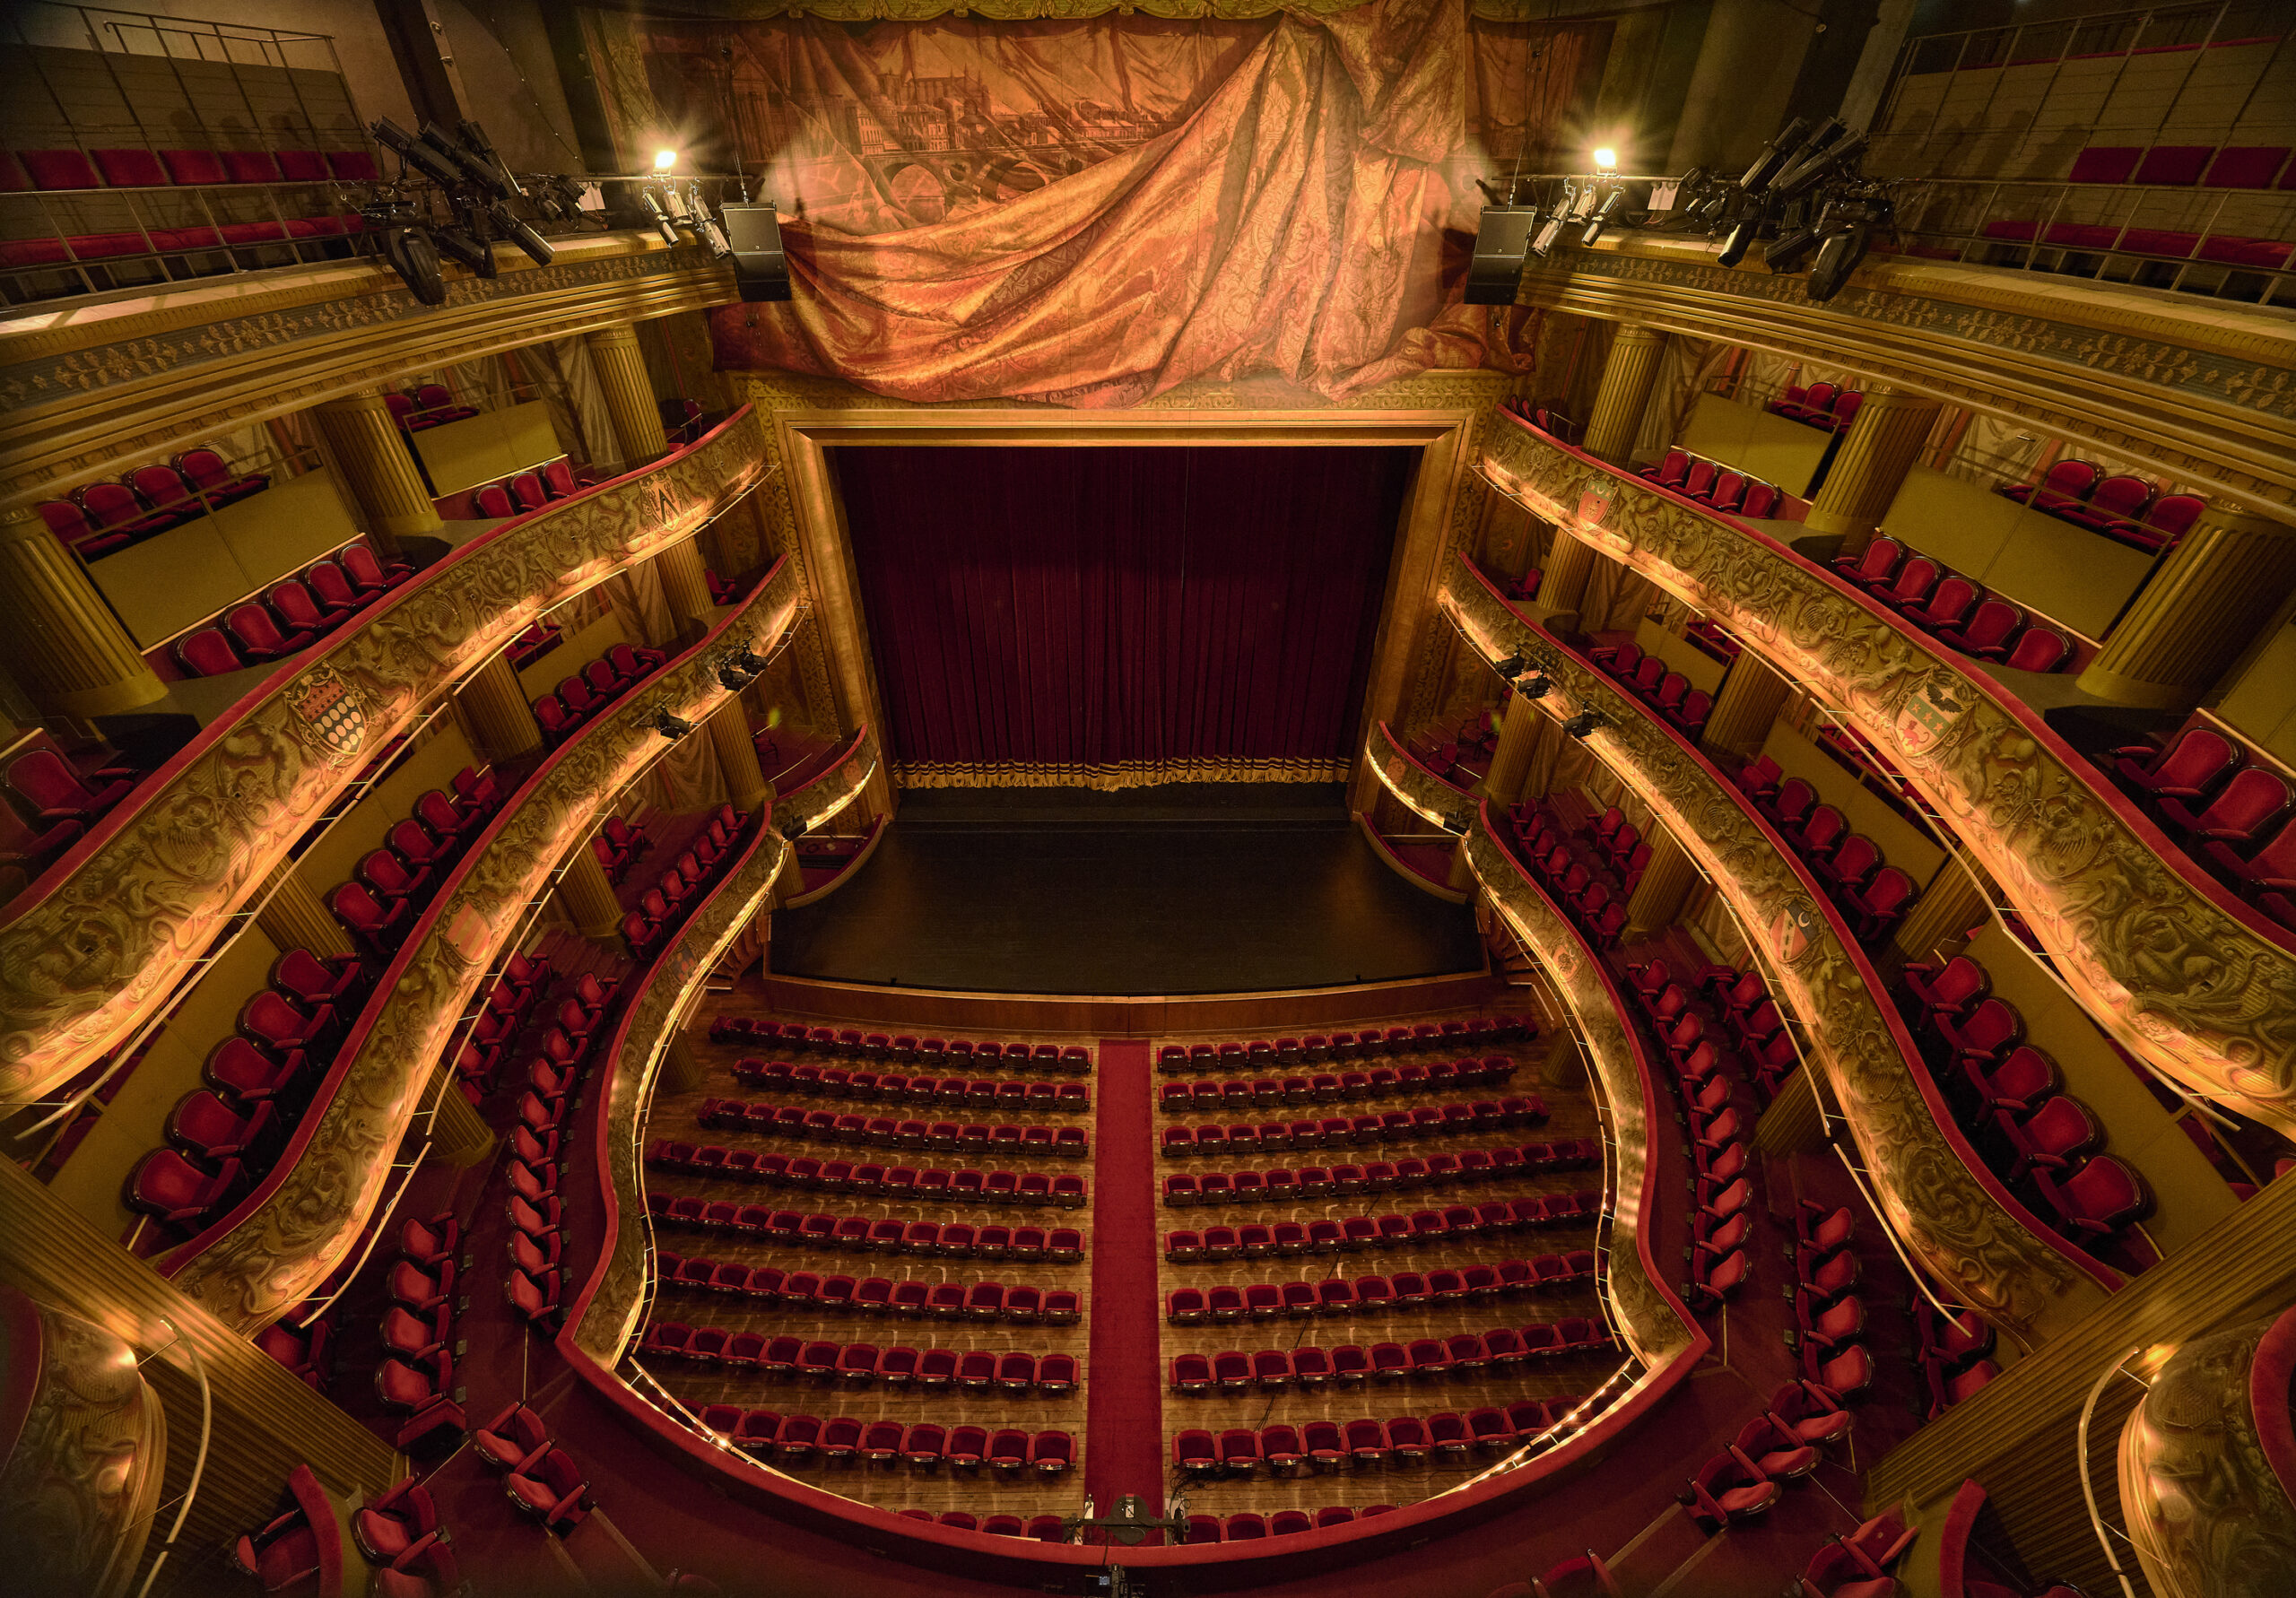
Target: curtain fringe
[{"x": 1123, "y": 774}]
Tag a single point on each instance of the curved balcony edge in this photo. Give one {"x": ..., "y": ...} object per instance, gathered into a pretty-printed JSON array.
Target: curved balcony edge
[
  {"x": 102, "y": 939},
  {"x": 1951, "y": 1209},
  {"x": 2174, "y": 967},
  {"x": 284, "y": 1237},
  {"x": 1414, "y": 781},
  {"x": 839, "y": 784}
]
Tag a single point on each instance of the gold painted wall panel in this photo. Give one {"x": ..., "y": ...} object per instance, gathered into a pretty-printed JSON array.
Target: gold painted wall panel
[
  {"x": 2200, "y": 994},
  {"x": 80, "y": 967}
]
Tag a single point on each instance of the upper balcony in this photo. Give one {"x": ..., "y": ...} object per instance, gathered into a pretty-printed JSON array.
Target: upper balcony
[
  {"x": 103, "y": 936},
  {"x": 2172, "y": 962}
]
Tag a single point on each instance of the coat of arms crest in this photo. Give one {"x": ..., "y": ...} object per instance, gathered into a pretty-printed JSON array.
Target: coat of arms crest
[{"x": 332, "y": 710}]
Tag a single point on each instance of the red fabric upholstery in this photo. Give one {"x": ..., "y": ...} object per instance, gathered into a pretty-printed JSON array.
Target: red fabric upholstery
[
  {"x": 59, "y": 168},
  {"x": 2105, "y": 163},
  {"x": 2174, "y": 164},
  {"x": 250, "y": 166},
  {"x": 130, "y": 168},
  {"x": 2245, "y": 165},
  {"x": 193, "y": 166}
]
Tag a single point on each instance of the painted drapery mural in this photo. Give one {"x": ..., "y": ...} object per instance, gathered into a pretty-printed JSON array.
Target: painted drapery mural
[{"x": 1089, "y": 213}]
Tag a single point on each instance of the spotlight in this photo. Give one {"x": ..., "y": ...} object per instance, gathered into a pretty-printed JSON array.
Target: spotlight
[
  {"x": 1784, "y": 253},
  {"x": 1838, "y": 257},
  {"x": 1601, "y": 217},
  {"x": 1553, "y": 229},
  {"x": 795, "y": 830},
  {"x": 1775, "y": 155},
  {"x": 538, "y": 249},
  {"x": 1737, "y": 241},
  {"x": 1537, "y": 688},
  {"x": 732, "y": 676},
  {"x": 1606, "y": 160},
  {"x": 663, "y": 160},
  {"x": 698, "y": 212},
  {"x": 1811, "y": 167},
  {"x": 1458, "y": 821},
  {"x": 1511, "y": 668},
  {"x": 1583, "y": 724},
  {"x": 672, "y": 727},
  {"x": 472, "y": 251},
  {"x": 415, "y": 259},
  {"x": 751, "y": 661},
  {"x": 662, "y": 222}
]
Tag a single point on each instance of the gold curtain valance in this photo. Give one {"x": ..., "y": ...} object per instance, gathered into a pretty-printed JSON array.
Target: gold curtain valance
[{"x": 1024, "y": 11}]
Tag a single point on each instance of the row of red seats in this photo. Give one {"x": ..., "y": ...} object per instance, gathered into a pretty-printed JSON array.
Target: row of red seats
[
  {"x": 2122, "y": 507},
  {"x": 1648, "y": 679},
  {"x": 98, "y": 518},
  {"x": 1958, "y": 611},
  {"x": 1406, "y": 1291},
  {"x": 662, "y": 908},
  {"x": 291, "y": 615},
  {"x": 427, "y": 405},
  {"x": 300, "y": 1550},
  {"x": 543, "y": 1480},
  {"x": 1285, "y": 1184},
  {"x": 767, "y": 1120},
  {"x": 1824, "y": 405},
  {"x": 1736, "y": 1031},
  {"x": 1429, "y": 1120},
  {"x": 1858, "y": 1565},
  {"x": 1593, "y": 906},
  {"x": 2230, "y": 812},
  {"x": 797, "y": 1038},
  {"x": 1330, "y": 1087},
  {"x": 834, "y": 1081},
  {"x": 1368, "y": 1444},
  {"x": 1619, "y": 843},
  {"x": 798, "y": 1441},
  {"x": 1247, "y": 1527},
  {"x": 380, "y": 908},
  {"x": 1562, "y": 429},
  {"x": 862, "y": 1364},
  {"x": 857, "y": 1234},
  {"x": 1986, "y": 1069},
  {"x": 512, "y": 1000},
  {"x": 907, "y": 1298},
  {"x": 1872, "y": 894},
  {"x": 933, "y": 1184},
  {"x": 1715, "y": 486},
  {"x": 223, "y": 1143},
  {"x": 1466, "y": 1354},
  {"x": 1262, "y": 1054},
  {"x": 582, "y": 694},
  {"x": 1954, "y": 1351},
  {"x": 619, "y": 844},
  {"x": 51, "y": 808},
  {"x": 1491, "y": 1218},
  {"x": 62, "y": 170}
]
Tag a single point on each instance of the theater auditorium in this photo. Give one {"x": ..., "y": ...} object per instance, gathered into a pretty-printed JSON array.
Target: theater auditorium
[{"x": 1320, "y": 798}]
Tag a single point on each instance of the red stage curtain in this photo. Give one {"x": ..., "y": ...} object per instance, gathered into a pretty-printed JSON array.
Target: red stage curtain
[
  {"x": 1090, "y": 213},
  {"x": 1112, "y": 618}
]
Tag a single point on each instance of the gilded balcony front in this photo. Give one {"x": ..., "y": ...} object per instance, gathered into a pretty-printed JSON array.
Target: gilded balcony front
[
  {"x": 802, "y": 809},
  {"x": 2175, "y": 967},
  {"x": 1940, "y": 1199},
  {"x": 280, "y": 1241},
  {"x": 1412, "y": 780},
  {"x": 95, "y": 948}
]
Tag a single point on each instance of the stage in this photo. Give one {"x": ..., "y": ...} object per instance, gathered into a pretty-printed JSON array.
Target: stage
[{"x": 1192, "y": 889}]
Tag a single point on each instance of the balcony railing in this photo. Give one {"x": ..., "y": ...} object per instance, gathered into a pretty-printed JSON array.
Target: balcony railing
[
  {"x": 106, "y": 934},
  {"x": 2182, "y": 973},
  {"x": 281, "y": 1240},
  {"x": 1954, "y": 1215}
]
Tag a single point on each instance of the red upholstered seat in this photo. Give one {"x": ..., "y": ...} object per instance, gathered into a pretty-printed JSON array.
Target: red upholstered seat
[
  {"x": 367, "y": 573},
  {"x": 2065, "y": 483},
  {"x": 260, "y": 637}
]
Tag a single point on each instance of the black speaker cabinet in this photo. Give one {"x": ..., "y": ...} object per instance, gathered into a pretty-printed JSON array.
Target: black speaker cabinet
[
  {"x": 760, "y": 270},
  {"x": 1501, "y": 243}
]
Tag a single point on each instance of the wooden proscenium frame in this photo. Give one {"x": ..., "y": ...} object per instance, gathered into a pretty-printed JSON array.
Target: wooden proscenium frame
[{"x": 1441, "y": 415}]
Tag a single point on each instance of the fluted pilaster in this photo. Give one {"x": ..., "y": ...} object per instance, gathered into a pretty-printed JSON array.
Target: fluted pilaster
[
  {"x": 1568, "y": 564},
  {"x": 1746, "y": 707},
  {"x": 1519, "y": 732},
  {"x": 1666, "y": 882},
  {"x": 64, "y": 647},
  {"x": 729, "y": 739},
  {"x": 1870, "y": 465},
  {"x": 294, "y": 918},
  {"x": 363, "y": 441},
  {"x": 587, "y": 897},
  {"x": 1627, "y": 375},
  {"x": 685, "y": 585},
  {"x": 629, "y": 393},
  {"x": 1953, "y": 902},
  {"x": 497, "y": 713},
  {"x": 2202, "y": 609},
  {"x": 460, "y": 1136}
]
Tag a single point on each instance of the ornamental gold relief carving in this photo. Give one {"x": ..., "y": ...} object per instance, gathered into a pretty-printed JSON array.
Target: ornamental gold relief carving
[
  {"x": 607, "y": 1315},
  {"x": 81, "y": 966},
  {"x": 808, "y": 807},
  {"x": 1975, "y": 1239},
  {"x": 2204, "y": 998},
  {"x": 279, "y": 1244},
  {"x": 1653, "y": 1320}
]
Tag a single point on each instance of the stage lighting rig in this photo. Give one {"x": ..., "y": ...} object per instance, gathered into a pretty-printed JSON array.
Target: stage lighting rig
[
  {"x": 1583, "y": 724},
  {"x": 1536, "y": 688},
  {"x": 1847, "y": 225},
  {"x": 1511, "y": 668},
  {"x": 469, "y": 175},
  {"x": 672, "y": 727}
]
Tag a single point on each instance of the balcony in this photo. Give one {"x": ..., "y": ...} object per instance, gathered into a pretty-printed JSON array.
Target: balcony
[
  {"x": 2174, "y": 966},
  {"x": 97, "y": 942}
]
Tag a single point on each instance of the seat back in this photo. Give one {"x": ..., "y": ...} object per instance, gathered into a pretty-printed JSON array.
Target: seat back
[
  {"x": 2119, "y": 497},
  {"x": 2039, "y": 649},
  {"x": 2067, "y": 483},
  {"x": 327, "y": 581},
  {"x": 252, "y": 625},
  {"x": 494, "y": 501},
  {"x": 163, "y": 487},
  {"x": 292, "y": 604},
  {"x": 526, "y": 489}
]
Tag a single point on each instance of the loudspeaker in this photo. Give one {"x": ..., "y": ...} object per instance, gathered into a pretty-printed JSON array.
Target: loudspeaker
[
  {"x": 1501, "y": 243},
  {"x": 760, "y": 268}
]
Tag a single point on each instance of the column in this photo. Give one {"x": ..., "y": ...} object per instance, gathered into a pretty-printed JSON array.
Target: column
[
  {"x": 681, "y": 1066},
  {"x": 587, "y": 898},
  {"x": 685, "y": 588},
  {"x": 728, "y": 726},
  {"x": 2199, "y": 613},
  {"x": 1666, "y": 882},
  {"x": 1954, "y": 901},
  {"x": 497, "y": 709},
  {"x": 1519, "y": 732},
  {"x": 461, "y": 1136},
  {"x": 1627, "y": 377},
  {"x": 378, "y": 471},
  {"x": 1870, "y": 463},
  {"x": 1462, "y": 877},
  {"x": 65, "y": 648},
  {"x": 1562, "y": 585},
  {"x": 629, "y": 392},
  {"x": 293, "y": 917},
  {"x": 1792, "y": 1123},
  {"x": 1743, "y": 713}
]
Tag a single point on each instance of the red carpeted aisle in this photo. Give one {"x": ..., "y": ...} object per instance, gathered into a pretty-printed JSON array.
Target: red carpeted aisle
[{"x": 1124, "y": 1443}]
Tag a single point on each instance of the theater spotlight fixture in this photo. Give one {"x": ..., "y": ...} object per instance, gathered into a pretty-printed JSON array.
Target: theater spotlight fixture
[
  {"x": 663, "y": 160},
  {"x": 662, "y": 222},
  {"x": 1585, "y": 723},
  {"x": 795, "y": 830},
  {"x": 750, "y": 660},
  {"x": 1787, "y": 252},
  {"x": 1602, "y": 214},
  {"x": 1806, "y": 171},
  {"x": 1536, "y": 688},
  {"x": 1553, "y": 228},
  {"x": 1606, "y": 160},
  {"x": 1848, "y": 226},
  {"x": 672, "y": 727},
  {"x": 1511, "y": 668},
  {"x": 1458, "y": 821},
  {"x": 1739, "y": 240},
  {"x": 731, "y": 675}
]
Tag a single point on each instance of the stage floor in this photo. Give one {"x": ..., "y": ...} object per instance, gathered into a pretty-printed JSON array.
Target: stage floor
[{"x": 1213, "y": 888}]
